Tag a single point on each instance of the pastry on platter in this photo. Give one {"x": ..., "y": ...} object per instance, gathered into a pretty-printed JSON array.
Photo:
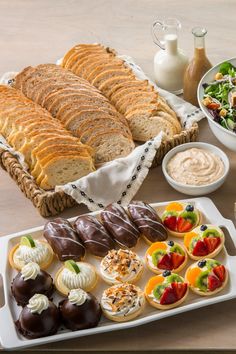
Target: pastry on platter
[
  {"x": 180, "y": 218},
  {"x": 147, "y": 221},
  {"x": 166, "y": 255},
  {"x": 63, "y": 239},
  {"x": 39, "y": 318},
  {"x": 122, "y": 302},
  {"x": 30, "y": 250},
  {"x": 207, "y": 277},
  {"x": 80, "y": 310},
  {"x": 166, "y": 291},
  {"x": 94, "y": 235},
  {"x": 74, "y": 275},
  {"x": 29, "y": 281},
  {"x": 204, "y": 241},
  {"x": 117, "y": 222},
  {"x": 121, "y": 266}
]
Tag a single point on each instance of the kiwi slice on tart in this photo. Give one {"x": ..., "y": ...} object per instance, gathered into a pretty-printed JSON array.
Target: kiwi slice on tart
[
  {"x": 156, "y": 256},
  {"x": 159, "y": 290},
  {"x": 177, "y": 249},
  {"x": 174, "y": 278},
  {"x": 201, "y": 281},
  {"x": 211, "y": 233}
]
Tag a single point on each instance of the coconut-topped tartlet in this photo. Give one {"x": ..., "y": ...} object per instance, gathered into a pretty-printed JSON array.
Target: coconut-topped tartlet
[
  {"x": 122, "y": 302},
  {"x": 120, "y": 266}
]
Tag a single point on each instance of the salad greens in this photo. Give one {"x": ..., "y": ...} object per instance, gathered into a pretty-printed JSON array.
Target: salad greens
[{"x": 220, "y": 96}]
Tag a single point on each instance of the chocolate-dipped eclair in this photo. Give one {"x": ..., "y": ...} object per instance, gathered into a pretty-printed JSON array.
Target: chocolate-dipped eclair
[
  {"x": 147, "y": 221},
  {"x": 39, "y": 318},
  {"x": 63, "y": 239},
  {"x": 94, "y": 235},
  {"x": 29, "y": 281},
  {"x": 117, "y": 222},
  {"x": 80, "y": 310}
]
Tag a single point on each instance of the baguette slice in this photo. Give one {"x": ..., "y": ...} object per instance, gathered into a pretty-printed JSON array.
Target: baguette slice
[{"x": 64, "y": 169}]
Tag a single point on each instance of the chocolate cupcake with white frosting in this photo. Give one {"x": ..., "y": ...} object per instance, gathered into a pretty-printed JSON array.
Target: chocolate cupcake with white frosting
[
  {"x": 29, "y": 281},
  {"x": 39, "y": 318},
  {"x": 80, "y": 310},
  {"x": 120, "y": 266}
]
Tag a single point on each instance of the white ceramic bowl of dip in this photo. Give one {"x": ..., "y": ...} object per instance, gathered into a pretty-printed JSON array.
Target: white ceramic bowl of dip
[
  {"x": 193, "y": 189},
  {"x": 226, "y": 137}
]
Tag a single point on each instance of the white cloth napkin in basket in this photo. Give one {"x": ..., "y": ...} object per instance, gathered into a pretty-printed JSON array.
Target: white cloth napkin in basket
[{"x": 119, "y": 180}]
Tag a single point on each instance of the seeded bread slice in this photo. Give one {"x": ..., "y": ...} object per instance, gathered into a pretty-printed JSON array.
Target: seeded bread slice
[
  {"x": 133, "y": 98},
  {"x": 109, "y": 146},
  {"x": 107, "y": 86},
  {"x": 123, "y": 91},
  {"x": 88, "y": 66},
  {"x": 80, "y": 67}
]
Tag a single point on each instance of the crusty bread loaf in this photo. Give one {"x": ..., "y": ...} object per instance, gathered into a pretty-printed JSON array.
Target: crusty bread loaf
[
  {"x": 25, "y": 125},
  {"x": 118, "y": 83},
  {"x": 66, "y": 96}
]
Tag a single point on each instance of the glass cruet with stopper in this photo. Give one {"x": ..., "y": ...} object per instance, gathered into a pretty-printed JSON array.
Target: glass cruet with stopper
[
  {"x": 170, "y": 62},
  {"x": 197, "y": 67}
]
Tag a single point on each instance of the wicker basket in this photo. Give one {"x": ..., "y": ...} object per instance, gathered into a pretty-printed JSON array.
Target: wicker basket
[{"x": 52, "y": 203}]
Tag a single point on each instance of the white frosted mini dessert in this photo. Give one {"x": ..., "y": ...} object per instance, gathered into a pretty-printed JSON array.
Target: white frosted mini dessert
[
  {"x": 74, "y": 275},
  {"x": 30, "y": 250},
  {"x": 122, "y": 302},
  {"x": 120, "y": 266}
]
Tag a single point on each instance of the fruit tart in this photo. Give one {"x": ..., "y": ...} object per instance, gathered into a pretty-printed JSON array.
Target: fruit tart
[
  {"x": 166, "y": 291},
  {"x": 207, "y": 277},
  {"x": 168, "y": 255},
  {"x": 204, "y": 241},
  {"x": 74, "y": 275},
  {"x": 30, "y": 250},
  {"x": 180, "y": 218},
  {"x": 121, "y": 266}
]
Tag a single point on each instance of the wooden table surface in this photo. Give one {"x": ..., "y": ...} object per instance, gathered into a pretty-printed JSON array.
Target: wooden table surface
[{"x": 40, "y": 31}]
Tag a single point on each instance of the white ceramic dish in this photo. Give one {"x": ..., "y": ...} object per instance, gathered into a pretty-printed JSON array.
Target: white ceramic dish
[
  {"x": 9, "y": 337},
  {"x": 225, "y": 136},
  {"x": 190, "y": 189}
]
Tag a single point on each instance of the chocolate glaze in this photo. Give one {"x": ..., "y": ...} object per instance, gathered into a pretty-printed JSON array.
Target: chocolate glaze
[
  {"x": 117, "y": 222},
  {"x": 147, "y": 221},
  {"x": 23, "y": 290},
  {"x": 84, "y": 316},
  {"x": 64, "y": 240},
  {"x": 94, "y": 235},
  {"x": 33, "y": 325}
]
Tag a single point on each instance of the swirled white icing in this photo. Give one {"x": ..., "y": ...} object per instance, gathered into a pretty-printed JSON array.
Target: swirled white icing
[
  {"x": 38, "y": 303},
  {"x": 77, "y": 296},
  {"x": 84, "y": 279},
  {"x": 38, "y": 254},
  {"x": 30, "y": 271}
]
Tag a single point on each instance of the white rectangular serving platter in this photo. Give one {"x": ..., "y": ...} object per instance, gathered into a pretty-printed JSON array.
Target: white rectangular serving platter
[{"x": 11, "y": 339}]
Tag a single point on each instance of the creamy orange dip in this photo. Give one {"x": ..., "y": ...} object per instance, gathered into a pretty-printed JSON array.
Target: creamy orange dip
[{"x": 196, "y": 167}]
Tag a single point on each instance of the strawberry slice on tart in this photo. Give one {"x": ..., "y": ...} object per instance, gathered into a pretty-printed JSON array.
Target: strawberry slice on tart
[
  {"x": 180, "y": 218},
  {"x": 166, "y": 290},
  {"x": 166, "y": 255},
  {"x": 204, "y": 241},
  {"x": 207, "y": 277}
]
